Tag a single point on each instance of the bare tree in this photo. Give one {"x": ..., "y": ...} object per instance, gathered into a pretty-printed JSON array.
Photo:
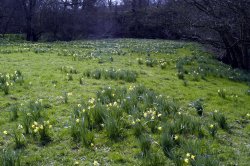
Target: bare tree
[
  {"x": 29, "y": 7},
  {"x": 8, "y": 9},
  {"x": 219, "y": 23}
]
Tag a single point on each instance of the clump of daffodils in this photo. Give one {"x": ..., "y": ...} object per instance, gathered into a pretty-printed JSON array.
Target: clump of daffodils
[
  {"x": 35, "y": 127},
  {"x": 163, "y": 64},
  {"x": 152, "y": 117},
  {"x": 5, "y": 132},
  {"x": 139, "y": 60},
  {"x": 131, "y": 88},
  {"x": 91, "y": 101},
  {"x": 189, "y": 157},
  {"x": 136, "y": 121},
  {"x": 151, "y": 114},
  {"x": 7, "y": 80},
  {"x": 42, "y": 130},
  {"x": 19, "y": 137},
  {"x": 112, "y": 105}
]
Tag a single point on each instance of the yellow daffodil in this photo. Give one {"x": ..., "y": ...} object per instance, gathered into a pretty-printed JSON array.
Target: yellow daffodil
[
  {"x": 19, "y": 127},
  {"x": 176, "y": 137},
  {"x": 41, "y": 127},
  {"x": 193, "y": 157},
  {"x": 76, "y": 163},
  {"x": 35, "y": 123},
  {"x": 159, "y": 128},
  {"x": 186, "y": 160},
  {"x": 46, "y": 122},
  {"x": 145, "y": 114},
  {"x": 91, "y": 101},
  {"x": 5, "y": 132},
  {"x": 69, "y": 94},
  {"x": 77, "y": 120},
  {"x": 96, "y": 163},
  {"x": 188, "y": 154},
  {"x": 211, "y": 126},
  {"x": 159, "y": 115},
  {"x": 83, "y": 110}
]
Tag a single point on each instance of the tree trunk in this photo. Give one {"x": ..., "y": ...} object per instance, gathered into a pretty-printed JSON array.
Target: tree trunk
[
  {"x": 234, "y": 53},
  {"x": 245, "y": 45},
  {"x": 28, "y": 29},
  {"x": 246, "y": 55},
  {"x": 29, "y": 7}
]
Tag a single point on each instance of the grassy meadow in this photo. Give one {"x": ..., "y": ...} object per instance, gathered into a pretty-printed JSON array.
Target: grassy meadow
[{"x": 121, "y": 102}]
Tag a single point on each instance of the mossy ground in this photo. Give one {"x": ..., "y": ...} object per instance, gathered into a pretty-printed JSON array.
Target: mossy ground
[{"x": 41, "y": 64}]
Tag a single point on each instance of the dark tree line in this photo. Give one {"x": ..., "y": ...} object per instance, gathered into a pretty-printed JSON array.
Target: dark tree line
[{"x": 224, "y": 24}]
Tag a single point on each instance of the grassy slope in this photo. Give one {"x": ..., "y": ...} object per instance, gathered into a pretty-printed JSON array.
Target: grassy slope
[{"x": 41, "y": 69}]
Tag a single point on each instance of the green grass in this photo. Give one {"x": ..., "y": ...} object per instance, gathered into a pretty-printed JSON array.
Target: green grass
[{"x": 152, "y": 120}]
